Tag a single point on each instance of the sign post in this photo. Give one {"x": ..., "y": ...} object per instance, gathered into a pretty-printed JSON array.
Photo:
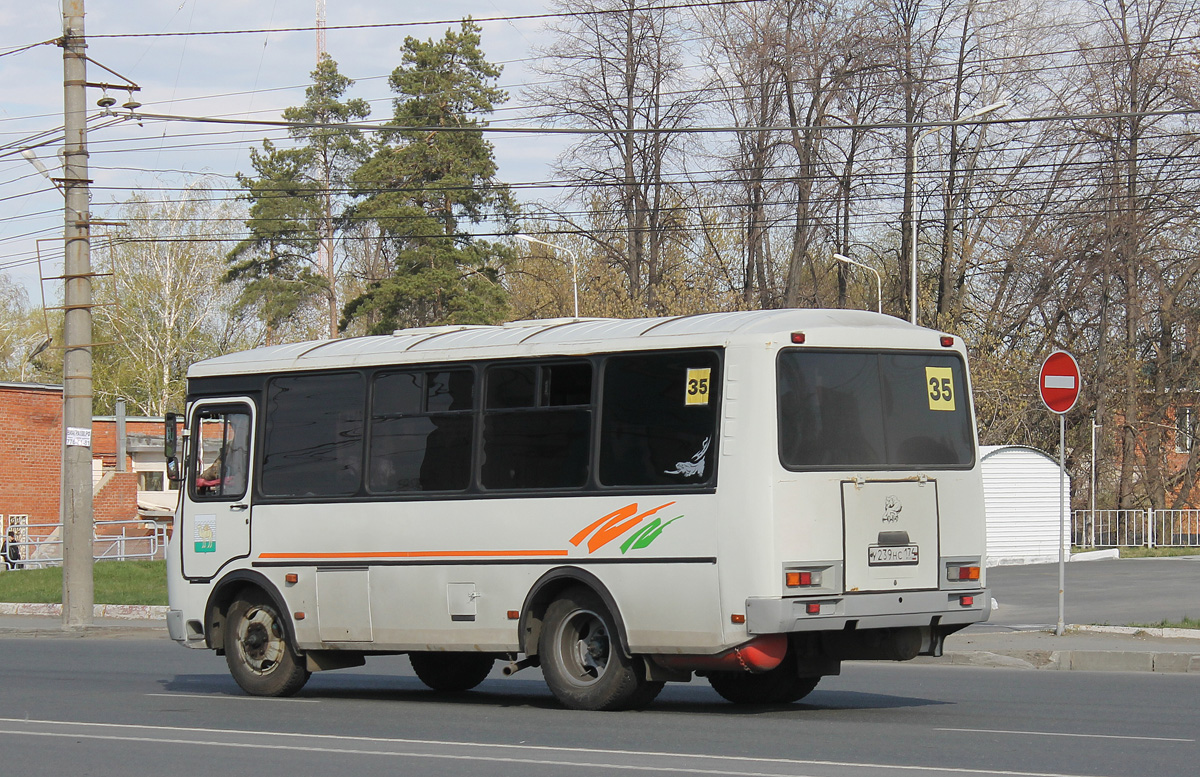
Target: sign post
[{"x": 1059, "y": 384}]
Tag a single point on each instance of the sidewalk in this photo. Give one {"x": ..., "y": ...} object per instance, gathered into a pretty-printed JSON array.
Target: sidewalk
[
  {"x": 111, "y": 621},
  {"x": 1088, "y": 648}
]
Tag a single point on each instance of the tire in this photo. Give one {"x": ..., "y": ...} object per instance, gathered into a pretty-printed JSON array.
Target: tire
[
  {"x": 451, "y": 672},
  {"x": 582, "y": 660},
  {"x": 258, "y": 651},
  {"x": 781, "y": 685}
]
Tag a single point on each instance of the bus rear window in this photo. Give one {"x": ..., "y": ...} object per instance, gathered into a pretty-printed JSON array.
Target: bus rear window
[{"x": 862, "y": 410}]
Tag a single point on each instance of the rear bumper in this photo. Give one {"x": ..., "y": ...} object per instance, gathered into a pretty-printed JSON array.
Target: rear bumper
[{"x": 866, "y": 611}]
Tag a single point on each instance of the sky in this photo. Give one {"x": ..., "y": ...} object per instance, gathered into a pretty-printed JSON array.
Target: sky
[{"x": 245, "y": 76}]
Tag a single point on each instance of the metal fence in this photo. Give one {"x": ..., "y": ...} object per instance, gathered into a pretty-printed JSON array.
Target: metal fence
[
  {"x": 1135, "y": 528},
  {"x": 41, "y": 545}
]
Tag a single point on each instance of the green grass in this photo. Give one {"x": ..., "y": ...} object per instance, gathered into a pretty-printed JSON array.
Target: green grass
[
  {"x": 1186, "y": 623},
  {"x": 1147, "y": 552},
  {"x": 116, "y": 582}
]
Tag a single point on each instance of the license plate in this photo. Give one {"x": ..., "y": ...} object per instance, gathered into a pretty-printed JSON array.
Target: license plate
[{"x": 886, "y": 555}]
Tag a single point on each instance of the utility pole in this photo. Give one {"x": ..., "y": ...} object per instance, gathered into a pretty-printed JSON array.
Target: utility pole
[
  {"x": 76, "y": 494},
  {"x": 320, "y": 29},
  {"x": 325, "y": 244}
]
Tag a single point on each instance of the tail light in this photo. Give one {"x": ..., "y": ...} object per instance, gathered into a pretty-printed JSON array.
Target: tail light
[
  {"x": 959, "y": 573},
  {"x": 800, "y": 579}
]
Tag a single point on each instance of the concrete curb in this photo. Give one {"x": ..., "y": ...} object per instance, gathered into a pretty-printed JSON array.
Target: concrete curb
[
  {"x": 1140, "y": 631},
  {"x": 118, "y": 611},
  {"x": 1076, "y": 660},
  {"x": 1096, "y": 555}
]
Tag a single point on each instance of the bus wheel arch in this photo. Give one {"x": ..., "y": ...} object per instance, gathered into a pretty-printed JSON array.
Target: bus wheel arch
[
  {"x": 581, "y": 660},
  {"x": 549, "y": 587},
  {"x": 232, "y": 588}
]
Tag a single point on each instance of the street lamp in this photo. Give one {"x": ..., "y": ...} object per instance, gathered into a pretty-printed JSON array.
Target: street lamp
[
  {"x": 913, "y": 230},
  {"x": 32, "y": 158},
  {"x": 33, "y": 352},
  {"x": 574, "y": 264},
  {"x": 878, "y": 280}
]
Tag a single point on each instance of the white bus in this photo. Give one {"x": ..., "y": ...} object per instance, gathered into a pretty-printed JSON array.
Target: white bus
[{"x": 754, "y": 497}]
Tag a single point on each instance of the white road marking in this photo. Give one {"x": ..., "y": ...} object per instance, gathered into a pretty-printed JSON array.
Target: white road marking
[
  {"x": 1061, "y": 734},
  {"x": 235, "y": 698},
  {"x": 672, "y": 762}
]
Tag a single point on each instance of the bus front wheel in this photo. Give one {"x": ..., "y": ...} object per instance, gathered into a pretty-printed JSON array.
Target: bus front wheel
[
  {"x": 582, "y": 659},
  {"x": 451, "y": 671},
  {"x": 257, "y": 649}
]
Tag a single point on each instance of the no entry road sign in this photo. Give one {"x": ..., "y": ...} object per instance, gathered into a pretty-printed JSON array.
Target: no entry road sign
[{"x": 1059, "y": 382}]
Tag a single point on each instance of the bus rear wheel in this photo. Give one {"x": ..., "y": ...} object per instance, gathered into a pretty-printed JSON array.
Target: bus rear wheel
[
  {"x": 257, "y": 649},
  {"x": 582, "y": 660},
  {"x": 781, "y": 685},
  {"x": 451, "y": 671}
]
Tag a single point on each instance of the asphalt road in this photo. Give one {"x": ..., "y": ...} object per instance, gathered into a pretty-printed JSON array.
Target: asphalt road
[
  {"x": 1115, "y": 592},
  {"x": 147, "y": 706}
]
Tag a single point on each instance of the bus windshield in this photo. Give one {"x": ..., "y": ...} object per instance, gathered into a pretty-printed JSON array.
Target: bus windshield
[{"x": 873, "y": 410}]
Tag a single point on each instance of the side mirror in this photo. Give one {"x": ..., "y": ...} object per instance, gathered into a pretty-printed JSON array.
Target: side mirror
[
  {"x": 170, "y": 435},
  {"x": 170, "y": 444}
]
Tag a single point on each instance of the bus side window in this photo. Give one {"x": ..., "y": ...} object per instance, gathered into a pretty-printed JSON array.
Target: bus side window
[
  {"x": 421, "y": 431},
  {"x": 650, "y": 433},
  {"x": 221, "y": 451},
  {"x": 313, "y": 440},
  {"x": 537, "y": 426}
]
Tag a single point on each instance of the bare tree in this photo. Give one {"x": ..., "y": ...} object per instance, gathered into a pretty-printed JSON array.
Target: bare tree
[
  {"x": 1132, "y": 81},
  {"x": 742, "y": 54},
  {"x": 617, "y": 67},
  {"x": 162, "y": 307}
]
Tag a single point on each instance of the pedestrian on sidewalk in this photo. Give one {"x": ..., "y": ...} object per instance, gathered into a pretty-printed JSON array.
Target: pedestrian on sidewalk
[{"x": 11, "y": 552}]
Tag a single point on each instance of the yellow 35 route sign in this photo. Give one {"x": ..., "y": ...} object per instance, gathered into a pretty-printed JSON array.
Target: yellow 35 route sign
[
  {"x": 698, "y": 385},
  {"x": 940, "y": 384}
]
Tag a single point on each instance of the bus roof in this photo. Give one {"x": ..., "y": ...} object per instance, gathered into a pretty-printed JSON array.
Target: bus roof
[{"x": 822, "y": 327}]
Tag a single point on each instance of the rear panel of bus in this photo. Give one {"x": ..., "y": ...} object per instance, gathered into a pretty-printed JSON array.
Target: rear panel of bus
[{"x": 866, "y": 476}]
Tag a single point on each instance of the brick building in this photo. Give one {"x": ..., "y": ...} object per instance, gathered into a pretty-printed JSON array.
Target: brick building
[
  {"x": 128, "y": 505},
  {"x": 30, "y": 456}
]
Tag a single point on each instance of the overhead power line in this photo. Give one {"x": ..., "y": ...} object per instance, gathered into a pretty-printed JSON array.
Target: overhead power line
[
  {"x": 432, "y": 23},
  {"x": 693, "y": 129}
]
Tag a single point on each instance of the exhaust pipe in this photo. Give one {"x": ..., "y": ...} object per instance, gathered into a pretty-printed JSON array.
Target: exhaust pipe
[{"x": 516, "y": 666}]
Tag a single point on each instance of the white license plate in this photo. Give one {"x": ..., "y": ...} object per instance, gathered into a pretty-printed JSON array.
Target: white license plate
[{"x": 884, "y": 555}]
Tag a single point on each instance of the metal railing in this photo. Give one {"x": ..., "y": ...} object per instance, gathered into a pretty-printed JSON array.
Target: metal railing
[
  {"x": 111, "y": 541},
  {"x": 1136, "y": 528}
]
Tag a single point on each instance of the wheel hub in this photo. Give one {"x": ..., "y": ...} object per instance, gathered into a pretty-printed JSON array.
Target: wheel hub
[
  {"x": 260, "y": 641},
  {"x": 585, "y": 647}
]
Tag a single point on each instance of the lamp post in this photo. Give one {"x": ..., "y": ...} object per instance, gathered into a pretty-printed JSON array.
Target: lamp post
[
  {"x": 878, "y": 280},
  {"x": 574, "y": 264},
  {"x": 913, "y": 230},
  {"x": 33, "y": 352}
]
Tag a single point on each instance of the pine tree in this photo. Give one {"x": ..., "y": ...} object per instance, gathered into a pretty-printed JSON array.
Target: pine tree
[
  {"x": 288, "y": 261},
  {"x": 424, "y": 186}
]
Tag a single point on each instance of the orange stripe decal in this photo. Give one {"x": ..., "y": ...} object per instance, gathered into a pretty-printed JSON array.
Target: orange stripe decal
[
  {"x": 607, "y": 522},
  {"x": 412, "y": 554}
]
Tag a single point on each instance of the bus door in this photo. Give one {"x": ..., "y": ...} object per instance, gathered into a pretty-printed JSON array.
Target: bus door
[
  {"x": 891, "y": 536},
  {"x": 216, "y": 505}
]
